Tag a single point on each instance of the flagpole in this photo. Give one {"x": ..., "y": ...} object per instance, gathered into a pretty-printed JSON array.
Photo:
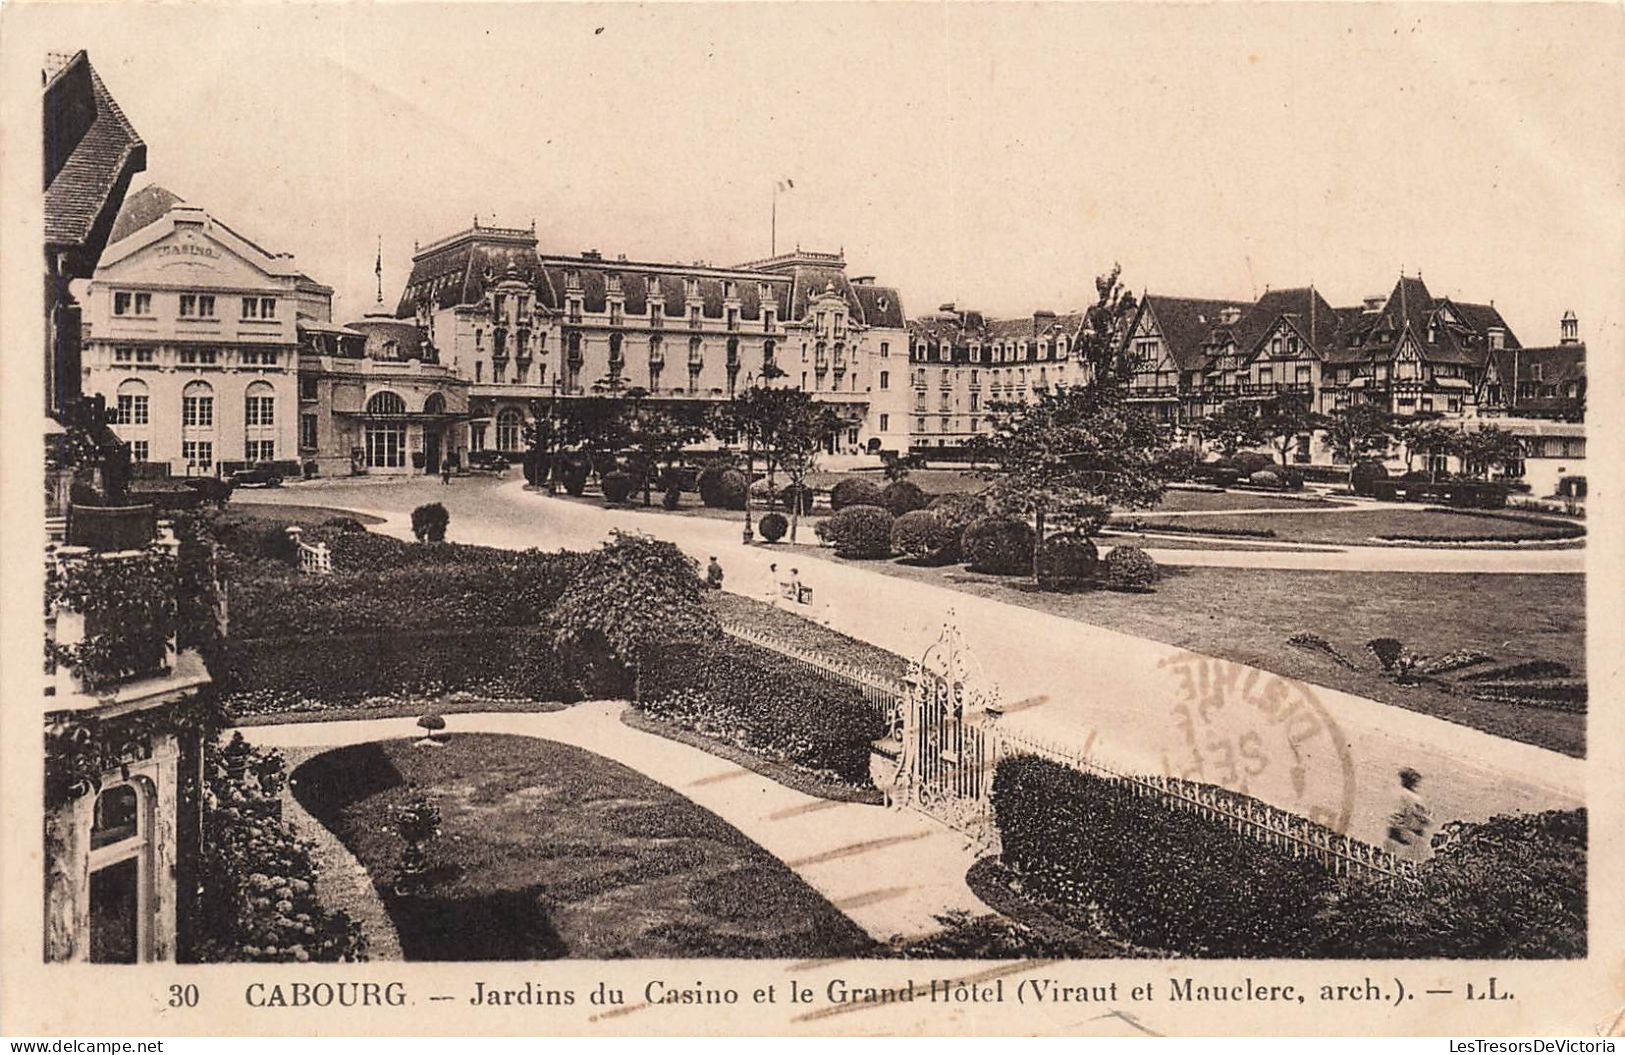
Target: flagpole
[{"x": 773, "y": 246}]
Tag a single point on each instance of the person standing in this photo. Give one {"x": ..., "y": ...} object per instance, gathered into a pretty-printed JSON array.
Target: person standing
[
  {"x": 713, "y": 575},
  {"x": 1410, "y": 824},
  {"x": 445, "y": 472},
  {"x": 798, "y": 593},
  {"x": 775, "y": 590}
]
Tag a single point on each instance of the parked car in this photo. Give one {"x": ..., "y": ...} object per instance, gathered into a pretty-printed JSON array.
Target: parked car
[
  {"x": 210, "y": 489},
  {"x": 262, "y": 475},
  {"x": 487, "y": 461}
]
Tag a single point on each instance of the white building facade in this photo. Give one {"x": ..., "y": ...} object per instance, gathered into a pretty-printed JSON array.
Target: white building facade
[{"x": 190, "y": 336}]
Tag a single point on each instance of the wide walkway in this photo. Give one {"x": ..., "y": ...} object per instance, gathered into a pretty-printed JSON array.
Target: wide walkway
[
  {"x": 1128, "y": 701},
  {"x": 891, "y": 871}
]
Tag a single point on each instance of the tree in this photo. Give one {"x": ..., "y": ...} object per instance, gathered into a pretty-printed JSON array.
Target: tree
[
  {"x": 658, "y": 438},
  {"x": 1284, "y": 418},
  {"x": 757, "y": 415},
  {"x": 632, "y": 594},
  {"x": 801, "y": 429},
  {"x": 1076, "y": 453},
  {"x": 1232, "y": 427},
  {"x": 1359, "y": 431},
  {"x": 1427, "y": 437},
  {"x": 1487, "y": 448}
]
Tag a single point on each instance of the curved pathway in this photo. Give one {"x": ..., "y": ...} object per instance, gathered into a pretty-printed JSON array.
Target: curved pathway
[
  {"x": 342, "y": 881},
  {"x": 890, "y": 871},
  {"x": 1078, "y": 685}
]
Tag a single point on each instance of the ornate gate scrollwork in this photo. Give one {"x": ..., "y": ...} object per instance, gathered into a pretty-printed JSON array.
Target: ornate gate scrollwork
[{"x": 948, "y": 746}]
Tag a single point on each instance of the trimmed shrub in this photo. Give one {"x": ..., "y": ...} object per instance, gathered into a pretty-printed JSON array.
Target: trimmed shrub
[
  {"x": 429, "y": 522},
  {"x": 926, "y": 536},
  {"x": 574, "y": 475},
  {"x": 1065, "y": 562},
  {"x": 1265, "y": 478},
  {"x": 793, "y": 496},
  {"x": 709, "y": 484},
  {"x": 749, "y": 697},
  {"x": 957, "y": 512},
  {"x": 999, "y": 545},
  {"x": 1177, "y": 463},
  {"x": 1365, "y": 475},
  {"x": 861, "y": 532},
  {"x": 772, "y": 526},
  {"x": 1249, "y": 462},
  {"x": 903, "y": 496},
  {"x": 1220, "y": 473},
  {"x": 618, "y": 486},
  {"x": 671, "y": 499},
  {"x": 855, "y": 491},
  {"x": 821, "y": 529},
  {"x": 1291, "y": 478},
  {"x": 344, "y": 525},
  {"x": 724, "y": 490},
  {"x": 1130, "y": 569},
  {"x": 1525, "y": 671},
  {"x": 1161, "y": 877}
]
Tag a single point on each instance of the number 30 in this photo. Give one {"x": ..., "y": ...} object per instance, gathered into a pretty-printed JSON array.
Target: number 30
[{"x": 183, "y": 996}]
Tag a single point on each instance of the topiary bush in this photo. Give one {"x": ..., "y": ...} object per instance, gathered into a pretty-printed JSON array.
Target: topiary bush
[
  {"x": 618, "y": 486},
  {"x": 672, "y": 498},
  {"x": 1249, "y": 462},
  {"x": 772, "y": 526},
  {"x": 710, "y": 484},
  {"x": 793, "y": 497},
  {"x": 957, "y": 512},
  {"x": 574, "y": 477},
  {"x": 1129, "y": 569},
  {"x": 855, "y": 491},
  {"x": 1265, "y": 478},
  {"x": 861, "y": 532},
  {"x": 999, "y": 545},
  {"x": 1365, "y": 475},
  {"x": 1177, "y": 463},
  {"x": 1291, "y": 478},
  {"x": 429, "y": 522},
  {"x": 1065, "y": 562},
  {"x": 903, "y": 496},
  {"x": 730, "y": 490},
  {"x": 925, "y": 536}
]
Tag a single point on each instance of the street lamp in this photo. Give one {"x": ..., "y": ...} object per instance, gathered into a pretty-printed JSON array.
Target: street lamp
[{"x": 750, "y": 456}]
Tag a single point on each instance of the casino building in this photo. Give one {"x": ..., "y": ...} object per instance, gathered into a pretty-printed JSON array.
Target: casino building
[{"x": 521, "y": 325}]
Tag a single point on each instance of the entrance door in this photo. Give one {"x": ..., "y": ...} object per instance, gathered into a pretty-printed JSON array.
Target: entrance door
[{"x": 431, "y": 451}]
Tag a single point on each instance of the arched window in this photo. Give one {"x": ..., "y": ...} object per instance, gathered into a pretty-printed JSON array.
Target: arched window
[
  {"x": 197, "y": 427},
  {"x": 259, "y": 422},
  {"x": 386, "y": 438},
  {"x": 386, "y": 404},
  {"x": 509, "y": 426},
  {"x": 120, "y": 899},
  {"x": 133, "y": 418},
  {"x": 435, "y": 404}
]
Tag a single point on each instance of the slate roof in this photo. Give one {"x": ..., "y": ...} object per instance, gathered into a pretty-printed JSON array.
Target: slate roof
[
  {"x": 1410, "y": 307},
  {"x": 957, "y": 331},
  {"x": 1186, "y": 324},
  {"x": 1316, "y": 321},
  {"x": 411, "y": 341},
  {"x": 1559, "y": 363},
  {"x": 91, "y": 151},
  {"x": 146, "y": 206}
]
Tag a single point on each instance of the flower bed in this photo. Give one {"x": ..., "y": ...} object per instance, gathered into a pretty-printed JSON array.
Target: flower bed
[
  {"x": 257, "y": 881},
  {"x": 746, "y": 696},
  {"x": 315, "y": 672}
]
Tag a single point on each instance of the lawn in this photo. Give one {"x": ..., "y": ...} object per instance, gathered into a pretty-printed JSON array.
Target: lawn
[
  {"x": 1181, "y": 501},
  {"x": 1247, "y": 614},
  {"x": 300, "y": 515},
  {"x": 792, "y": 629},
  {"x": 1360, "y": 526},
  {"x": 548, "y": 851}
]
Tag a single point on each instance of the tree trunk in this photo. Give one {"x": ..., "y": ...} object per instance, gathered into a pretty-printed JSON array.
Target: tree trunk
[{"x": 1038, "y": 540}]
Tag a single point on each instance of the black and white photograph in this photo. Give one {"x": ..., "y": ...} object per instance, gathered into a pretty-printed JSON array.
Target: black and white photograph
[{"x": 935, "y": 509}]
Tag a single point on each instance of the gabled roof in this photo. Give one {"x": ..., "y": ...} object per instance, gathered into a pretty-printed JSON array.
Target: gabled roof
[
  {"x": 1315, "y": 321},
  {"x": 91, "y": 151},
  {"x": 1187, "y": 323},
  {"x": 1559, "y": 363}
]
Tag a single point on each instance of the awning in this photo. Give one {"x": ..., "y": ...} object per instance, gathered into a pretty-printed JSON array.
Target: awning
[
  {"x": 1457, "y": 383},
  {"x": 1360, "y": 382}
]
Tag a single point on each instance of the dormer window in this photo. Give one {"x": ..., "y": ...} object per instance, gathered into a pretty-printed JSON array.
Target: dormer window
[
  {"x": 730, "y": 290},
  {"x": 572, "y": 279},
  {"x": 770, "y": 318},
  {"x": 691, "y": 288},
  {"x": 614, "y": 280},
  {"x": 1498, "y": 337}
]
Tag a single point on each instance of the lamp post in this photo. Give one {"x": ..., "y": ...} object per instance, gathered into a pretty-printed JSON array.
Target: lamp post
[{"x": 750, "y": 457}]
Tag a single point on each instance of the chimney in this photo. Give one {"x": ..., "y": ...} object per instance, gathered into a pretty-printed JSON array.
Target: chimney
[
  {"x": 948, "y": 307},
  {"x": 591, "y": 254},
  {"x": 1229, "y": 316},
  {"x": 1570, "y": 328},
  {"x": 1374, "y": 304}
]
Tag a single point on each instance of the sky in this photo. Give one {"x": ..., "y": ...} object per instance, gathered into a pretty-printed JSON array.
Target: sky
[{"x": 996, "y": 156}]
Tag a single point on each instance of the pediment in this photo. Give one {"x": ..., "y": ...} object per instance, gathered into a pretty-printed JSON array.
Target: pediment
[{"x": 190, "y": 255}]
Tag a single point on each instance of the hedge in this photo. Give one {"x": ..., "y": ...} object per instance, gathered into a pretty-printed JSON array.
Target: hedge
[
  {"x": 903, "y": 496},
  {"x": 1065, "y": 562},
  {"x": 925, "y": 536},
  {"x": 958, "y": 511},
  {"x": 1527, "y": 670},
  {"x": 861, "y": 532},
  {"x": 1164, "y": 877},
  {"x": 999, "y": 545},
  {"x": 1161, "y": 877},
  {"x": 1171, "y": 528},
  {"x": 751, "y": 698},
  {"x": 721, "y": 487},
  {"x": 1246, "y": 463},
  {"x": 274, "y": 675},
  {"x": 855, "y": 491},
  {"x": 429, "y": 522}
]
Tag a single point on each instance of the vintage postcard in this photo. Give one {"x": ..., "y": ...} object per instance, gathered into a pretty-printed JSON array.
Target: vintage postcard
[{"x": 813, "y": 518}]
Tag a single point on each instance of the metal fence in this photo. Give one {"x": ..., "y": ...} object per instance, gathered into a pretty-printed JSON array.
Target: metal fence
[
  {"x": 313, "y": 559},
  {"x": 1288, "y": 832}
]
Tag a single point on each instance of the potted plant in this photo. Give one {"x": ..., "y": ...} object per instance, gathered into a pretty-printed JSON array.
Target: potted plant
[{"x": 417, "y": 822}]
